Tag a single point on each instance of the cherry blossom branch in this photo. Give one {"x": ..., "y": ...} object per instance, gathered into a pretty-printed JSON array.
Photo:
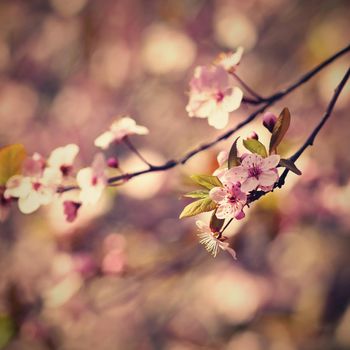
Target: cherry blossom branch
[
  {"x": 311, "y": 138},
  {"x": 268, "y": 102}
]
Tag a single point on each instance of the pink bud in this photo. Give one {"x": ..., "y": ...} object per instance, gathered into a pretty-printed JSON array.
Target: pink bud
[
  {"x": 253, "y": 136},
  {"x": 71, "y": 210},
  {"x": 269, "y": 121},
  {"x": 240, "y": 215},
  {"x": 113, "y": 162}
]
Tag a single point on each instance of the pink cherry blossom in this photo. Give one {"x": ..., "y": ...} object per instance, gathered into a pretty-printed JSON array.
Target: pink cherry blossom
[
  {"x": 229, "y": 61},
  {"x": 92, "y": 180},
  {"x": 118, "y": 131},
  {"x": 211, "y": 241},
  {"x": 62, "y": 158},
  {"x": 269, "y": 121},
  {"x": 212, "y": 95},
  {"x": 33, "y": 191},
  {"x": 230, "y": 200},
  {"x": 255, "y": 172}
]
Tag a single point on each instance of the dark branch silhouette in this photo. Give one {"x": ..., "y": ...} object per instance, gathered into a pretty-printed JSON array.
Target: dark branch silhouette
[{"x": 255, "y": 195}]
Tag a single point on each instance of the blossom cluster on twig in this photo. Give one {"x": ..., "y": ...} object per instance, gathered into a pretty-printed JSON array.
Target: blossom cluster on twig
[{"x": 240, "y": 179}]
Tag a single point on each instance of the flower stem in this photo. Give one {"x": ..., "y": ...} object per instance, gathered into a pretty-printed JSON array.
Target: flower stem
[
  {"x": 136, "y": 152},
  {"x": 225, "y": 227},
  {"x": 248, "y": 88}
]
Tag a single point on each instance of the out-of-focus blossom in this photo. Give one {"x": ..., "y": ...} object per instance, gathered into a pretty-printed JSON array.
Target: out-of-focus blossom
[
  {"x": 118, "y": 131},
  {"x": 84, "y": 264},
  {"x": 269, "y": 121},
  {"x": 71, "y": 210},
  {"x": 62, "y": 158},
  {"x": 210, "y": 240},
  {"x": 230, "y": 199},
  {"x": 34, "y": 165},
  {"x": 167, "y": 50},
  {"x": 255, "y": 171},
  {"x": 212, "y": 96},
  {"x": 229, "y": 61},
  {"x": 92, "y": 180},
  {"x": 114, "y": 260},
  {"x": 233, "y": 28},
  {"x": 33, "y": 191}
]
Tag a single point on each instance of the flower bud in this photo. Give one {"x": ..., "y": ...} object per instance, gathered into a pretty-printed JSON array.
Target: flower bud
[
  {"x": 71, "y": 210},
  {"x": 253, "y": 136},
  {"x": 269, "y": 121},
  {"x": 112, "y": 162}
]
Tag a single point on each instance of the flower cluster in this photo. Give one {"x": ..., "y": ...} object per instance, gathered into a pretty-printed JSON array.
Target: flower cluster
[
  {"x": 35, "y": 181},
  {"x": 231, "y": 188},
  {"x": 212, "y": 93},
  {"x": 39, "y": 181},
  {"x": 240, "y": 178}
]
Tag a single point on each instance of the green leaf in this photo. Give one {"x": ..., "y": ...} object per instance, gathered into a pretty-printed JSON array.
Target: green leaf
[
  {"x": 287, "y": 163},
  {"x": 279, "y": 130},
  {"x": 207, "y": 181},
  {"x": 7, "y": 330},
  {"x": 255, "y": 146},
  {"x": 197, "y": 207},
  {"x": 11, "y": 160},
  {"x": 233, "y": 159},
  {"x": 215, "y": 223},
  {"x": 197, "y": 194}
]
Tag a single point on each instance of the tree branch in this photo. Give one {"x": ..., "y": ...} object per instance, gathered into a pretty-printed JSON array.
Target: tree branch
[
  {"x": 311, "y": 138},
  {"x": 267, "y": 102}
]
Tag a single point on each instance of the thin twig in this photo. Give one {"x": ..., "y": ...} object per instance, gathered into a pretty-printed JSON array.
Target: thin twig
[
  {"x": 225, "y": 227},
  {"x": 259, "y": 99},
  {"x": 133, "y": 149},
  {"x": 255, "y": 195},
  {"x": 310, "y": 140}
]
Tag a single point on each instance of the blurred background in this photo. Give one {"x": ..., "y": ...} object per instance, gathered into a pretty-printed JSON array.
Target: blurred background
[{"x": 128, "y": 274}]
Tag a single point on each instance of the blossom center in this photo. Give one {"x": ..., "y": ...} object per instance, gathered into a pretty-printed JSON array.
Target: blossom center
[
  {"x": 65, "y": 169},
  {"x": 36, "y": 186},
  {"x": 94, "y": 180},
  {"x": 219, "y": 96},
  {"x": 254, "y": 171}
]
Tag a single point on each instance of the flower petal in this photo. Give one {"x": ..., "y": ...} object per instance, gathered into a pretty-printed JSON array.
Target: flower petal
[
  {"x": 224, "y": 211},
  {"x": 236, "y": 174},
  {"x": 104, "y": 140},
  {"x": 268, "y": 178},
  {"x": 225, "y": 246},
  {"x": 250, "y": 184},
  {"x": 30, "y": 203},
  {"x": 217, "y": 194},
  {"x": 233, "y": 100},
  {"x": 270, "y": 162},
  {"x": 251, "y": 160},
  {"x": 218, "y": 119}
]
